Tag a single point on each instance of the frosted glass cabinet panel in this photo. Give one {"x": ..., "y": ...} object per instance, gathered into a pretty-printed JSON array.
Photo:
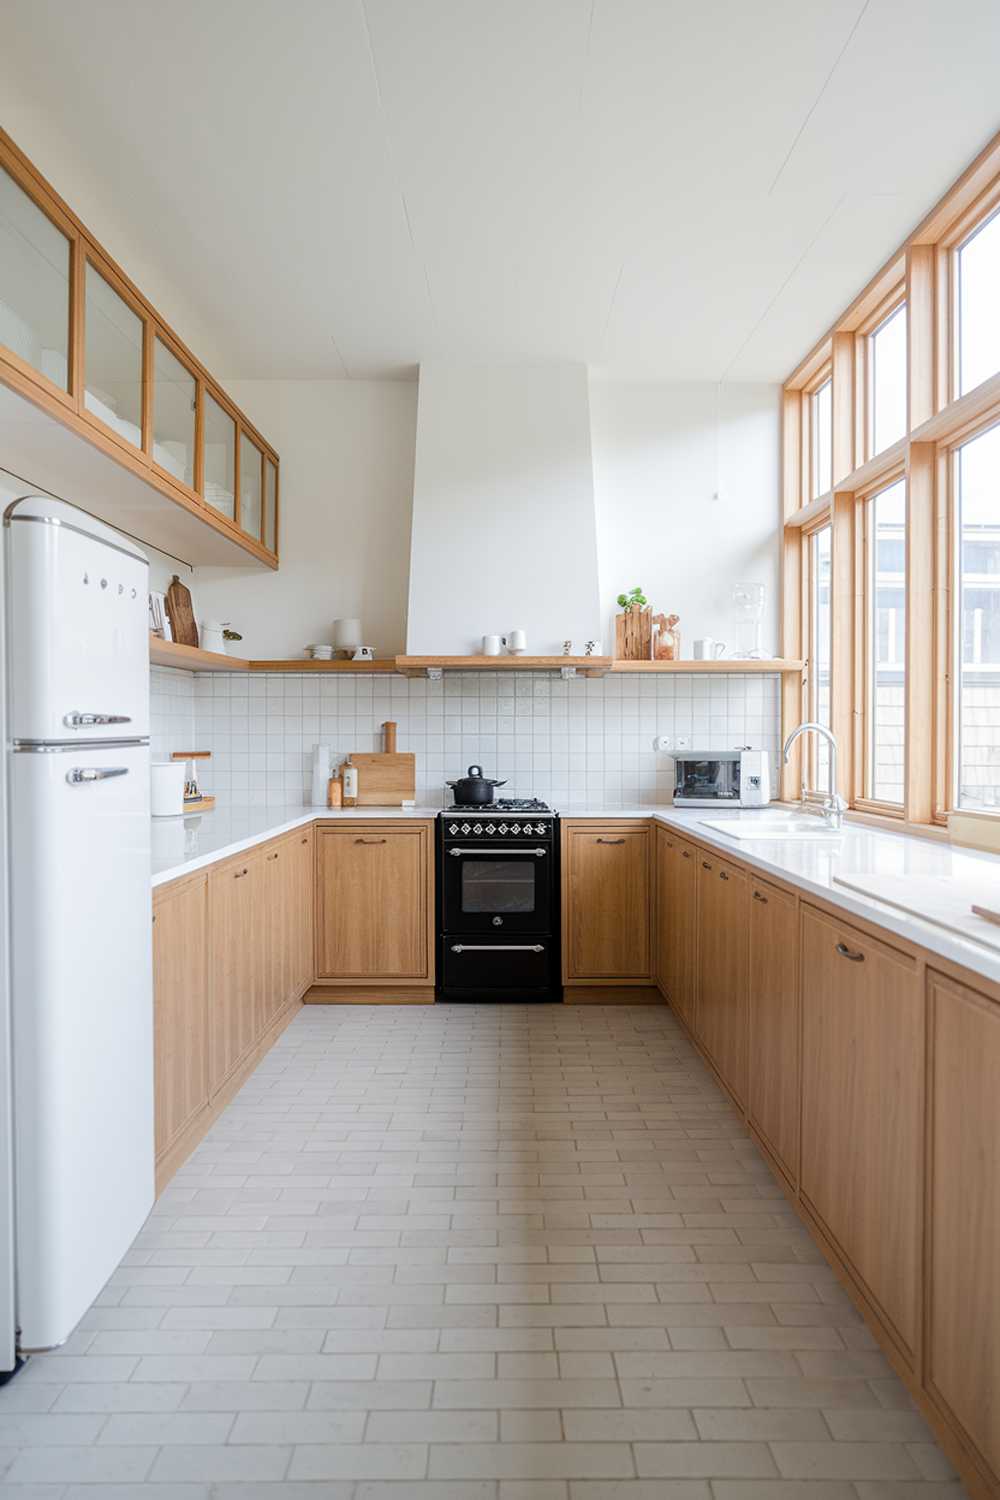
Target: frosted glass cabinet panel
[
  {"x": 220, "y": 457},
  {"x": 250, "y": 461},
  {"x": 112, "y": 356},
  {"x": 270, "y": 505},
  {"x": 34, "y": 284},
  {"x": 173, "y": 414}
]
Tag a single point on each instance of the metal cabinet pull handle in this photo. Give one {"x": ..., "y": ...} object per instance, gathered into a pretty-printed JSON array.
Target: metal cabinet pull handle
[
  {"x": 77, "y": 720},
  {"x": 685, "y": 854},
  {"x": 498, "y": 947},
  {"x": 240, "y": 873},
  {"x": 611, "y": 841},
  {"x": 758, "y": 897},
  {"x": 499, "y": 849},
  {"x": 723, "y": 875},
  {"x": 845, "y": 952},
  {"x": 369, "y": 841},
  {"x": 274, "y": 855},
  {"x": 705, "y": 865},
  {"x": 84, "y": 775}
]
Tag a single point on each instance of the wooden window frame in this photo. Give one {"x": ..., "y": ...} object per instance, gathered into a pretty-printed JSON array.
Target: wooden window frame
[
  {"x": 922, "y": 273},
  {"x": 864, "y": 356},
  {"x": 810, "y": 790},
  {"x": 864, "y": 682},
  {"x": 809, "y": 444}
]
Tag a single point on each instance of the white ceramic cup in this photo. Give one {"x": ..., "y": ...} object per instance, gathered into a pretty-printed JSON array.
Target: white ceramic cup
[
  {"x": 491, "y": 645},
  {"x": 347, "y": 635},
  {"x": 166, "y": 794},
  {"x": 516, "y": 642},
  {"x": 708, "y": 649}
]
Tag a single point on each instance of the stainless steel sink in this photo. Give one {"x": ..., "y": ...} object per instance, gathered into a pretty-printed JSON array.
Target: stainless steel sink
[{"x": 794, "y": 826}]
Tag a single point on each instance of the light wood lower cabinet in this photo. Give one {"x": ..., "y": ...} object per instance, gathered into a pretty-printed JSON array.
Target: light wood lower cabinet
[
  {"x": 773, "y": 1021},
  {"x": 232, "y": 953},
  {"x": 180, "y": 1008},
  {"x": 239, "y": 965},
  {"x": 721, "y": 1022},
  {"x": 288, "y": 916},
  {"x": 606, "y": 903},
  {"x": 676, "y": 921},
  {"x": 963, "y": 1202},
  {"x": 374, "y": 903},
  {"x": 862, "y": 1109}
]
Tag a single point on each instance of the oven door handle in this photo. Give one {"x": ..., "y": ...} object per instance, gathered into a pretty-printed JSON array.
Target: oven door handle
[
  {"x": 498, "y": 849},
  {"x": 498, "y": 947}
]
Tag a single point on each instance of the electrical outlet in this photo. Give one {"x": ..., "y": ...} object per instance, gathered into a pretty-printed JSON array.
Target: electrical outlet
[
  {"x": 663, "y": 742},
  {"x": 683, "y": 743}
]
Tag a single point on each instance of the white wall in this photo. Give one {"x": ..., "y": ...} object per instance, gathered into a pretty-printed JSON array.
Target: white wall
[
  {"x": 660, "y": 453},
  {"x": 346, "y": 452},
  {"x": 503, "y": 512}
]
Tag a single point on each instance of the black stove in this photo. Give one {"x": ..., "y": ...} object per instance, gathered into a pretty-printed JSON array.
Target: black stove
[{"x": 498, "y": 901}]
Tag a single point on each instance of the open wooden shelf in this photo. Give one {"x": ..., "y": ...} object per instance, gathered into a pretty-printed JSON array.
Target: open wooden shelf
[
  {"x": 587, "y": 666},
  {"x": 295, "y": 664},
  {"x": 193, "y": 659},
  {"x": 729, "y": 667}
]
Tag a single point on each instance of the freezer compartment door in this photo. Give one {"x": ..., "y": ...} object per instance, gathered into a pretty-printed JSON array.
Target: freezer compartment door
[
  {"x": 82, "y": 1024},
  {"x": 78, "y": 628}
]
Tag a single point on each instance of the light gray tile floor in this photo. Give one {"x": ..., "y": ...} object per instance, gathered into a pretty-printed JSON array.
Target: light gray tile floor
[{"x": 471, "y": 1253}]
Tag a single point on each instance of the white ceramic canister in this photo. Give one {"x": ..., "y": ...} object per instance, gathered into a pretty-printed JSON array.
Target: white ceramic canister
[
  {"x": 166, "y": 797},
  {"x": 211, "y": 638}
]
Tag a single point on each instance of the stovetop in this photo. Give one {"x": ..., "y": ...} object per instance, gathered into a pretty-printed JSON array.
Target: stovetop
[{"x": 505, "y": 805}]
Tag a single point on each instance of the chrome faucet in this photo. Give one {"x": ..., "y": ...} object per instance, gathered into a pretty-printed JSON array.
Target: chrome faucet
[{"x": 834, "y": 807}]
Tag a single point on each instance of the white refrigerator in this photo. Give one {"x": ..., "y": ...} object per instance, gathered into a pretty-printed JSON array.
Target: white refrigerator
[{"x": 78, "y": 1101}]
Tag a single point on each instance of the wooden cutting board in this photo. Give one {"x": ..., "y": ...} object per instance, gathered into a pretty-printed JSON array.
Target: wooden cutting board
[
  {"x": 181, "y": 614},
  {"x": 385, "y": 780}
]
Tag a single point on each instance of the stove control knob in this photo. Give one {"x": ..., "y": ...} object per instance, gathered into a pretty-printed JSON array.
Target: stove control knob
[
  {"x": 478, "y": 828},
  {"x": 515, "y": 828},
  {"x": 539, "y": 827},
  {"x": 491, "y": 828},
  {"x": 503, "y": 827},
  {"x": 465, "y": 828},
  {"x": 452, "y": 827}
]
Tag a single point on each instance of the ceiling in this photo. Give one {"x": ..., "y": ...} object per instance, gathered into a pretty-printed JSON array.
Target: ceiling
[{"x": 664, "y": 190}]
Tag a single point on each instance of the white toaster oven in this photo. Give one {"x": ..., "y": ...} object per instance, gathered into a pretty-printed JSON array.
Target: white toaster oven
[{"x": 710, "y": 778}]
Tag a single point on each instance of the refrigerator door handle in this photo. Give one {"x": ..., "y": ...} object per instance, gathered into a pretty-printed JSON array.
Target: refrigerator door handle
[
  {"x": 84, "y": 775},
  {"x": 77, "y": 720}
]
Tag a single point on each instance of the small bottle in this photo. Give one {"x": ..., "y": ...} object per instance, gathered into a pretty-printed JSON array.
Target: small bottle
[
  {"x": 350, "y": 785},
  {"x": 335, "y": 791}
]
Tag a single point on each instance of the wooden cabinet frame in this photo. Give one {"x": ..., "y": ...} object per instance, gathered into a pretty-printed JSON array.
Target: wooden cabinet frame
[
  {"x": 922, "y": 272},
  {"x": 68, "y": 407}
]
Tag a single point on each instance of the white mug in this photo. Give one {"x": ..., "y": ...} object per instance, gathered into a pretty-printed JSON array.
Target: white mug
[
  {"x": 708, "y": 649},
  {"x": 491, "y": 645},
  {"x": 516, "y": 642}
]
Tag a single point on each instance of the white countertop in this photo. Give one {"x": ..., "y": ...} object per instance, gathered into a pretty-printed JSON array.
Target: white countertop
[{"x": 181, "y": 846}]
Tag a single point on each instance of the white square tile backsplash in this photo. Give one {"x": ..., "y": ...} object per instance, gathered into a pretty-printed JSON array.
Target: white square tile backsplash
[
  {"x": 171, "y": 711},
  {"x": 589, "y": 740}
]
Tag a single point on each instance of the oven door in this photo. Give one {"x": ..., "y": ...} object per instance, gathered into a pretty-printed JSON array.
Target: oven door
[{"x": 496, "y": 888}]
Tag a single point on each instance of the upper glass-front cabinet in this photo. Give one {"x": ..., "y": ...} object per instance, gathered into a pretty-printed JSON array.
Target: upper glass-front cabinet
[
  {"x": 175, "y": 414},
  {"x": 35, "y": 261},
  {"x": 270, "y": 505},
  {"x": 251, "y": 461},
  {"x": 219, "y": 447},
  {"x": 113, "y": 341},
  {"x": 80, "y": 339}
]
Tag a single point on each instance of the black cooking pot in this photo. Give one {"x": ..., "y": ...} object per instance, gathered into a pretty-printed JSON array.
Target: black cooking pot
[{"x": 474, "y": 789}]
